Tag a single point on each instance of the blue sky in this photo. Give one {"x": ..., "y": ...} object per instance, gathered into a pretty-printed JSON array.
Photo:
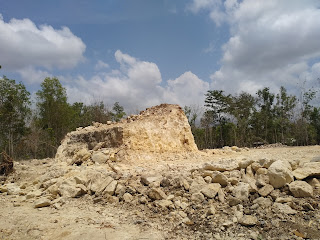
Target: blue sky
[{"x": 145, "y": 52}]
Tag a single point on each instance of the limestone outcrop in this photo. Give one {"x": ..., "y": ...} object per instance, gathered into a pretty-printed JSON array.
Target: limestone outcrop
[{"x": 159, "y": 129}]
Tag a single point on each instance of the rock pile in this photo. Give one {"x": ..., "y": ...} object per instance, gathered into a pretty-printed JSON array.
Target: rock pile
[
  {"x": 159, "y": 129},
  {"x": 228, "y": 196}
]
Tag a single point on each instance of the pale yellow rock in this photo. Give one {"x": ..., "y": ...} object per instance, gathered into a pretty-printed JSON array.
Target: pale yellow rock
[
  {"x": 159, "y": 129},
  {"x": 307, "y": 170}
]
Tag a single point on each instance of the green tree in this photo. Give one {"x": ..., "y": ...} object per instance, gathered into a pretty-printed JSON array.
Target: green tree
[
  {"x": 54, "y": 113},
  {"x": 263, "y": 117},
  {"x": 284, "y": 113},
  {"x": 14, "y": 111},
  {"x": 242, "y": 108},
  {"x": 118, "y": 112}
]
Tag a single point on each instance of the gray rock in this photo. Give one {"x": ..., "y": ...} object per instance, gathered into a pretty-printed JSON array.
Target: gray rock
[
  {"x": 280, "y": 174},
  {"x": 301, "y": 189}
]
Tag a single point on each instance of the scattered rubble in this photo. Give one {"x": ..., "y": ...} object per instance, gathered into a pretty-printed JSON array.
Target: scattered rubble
[{"x": 182, "y": 192}]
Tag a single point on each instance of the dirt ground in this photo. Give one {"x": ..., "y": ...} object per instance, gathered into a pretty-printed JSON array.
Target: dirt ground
[{"x": 81, "y": 218}]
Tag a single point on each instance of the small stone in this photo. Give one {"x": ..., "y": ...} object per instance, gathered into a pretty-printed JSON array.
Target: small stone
[
  {"x": 211, "y": 190},
  {"x": 221, "y": 196},
  {"x": 110, "y": 189},
  {"x": 42, "y": 202},
  {"x": 233, "y": 201},
  {"x": 156, "y": 194},
  {"x": 211, "y": 211},
  {"x": 164, "y": 204},
  {"x": 266, "y": 190},
  {"x": 99, "y": 157},
  {"x": 283, "y": 199},
  {"x": 148, "y": 179},
  {"x": 241, "y": 191},
  {"x": 245, "y": 163},
  {"x": 197, "y": 197},
  {"x": 220, "y": 178},
  {"x": 208, "y": 179},
  {"x": 127, "y": 197},
  {"x": 248, "y": 220},
  {"x": 283, "y": 208},
  {"x": 301, "y": 189}
]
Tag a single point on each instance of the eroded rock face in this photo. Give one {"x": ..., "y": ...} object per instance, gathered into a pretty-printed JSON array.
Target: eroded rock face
[{"x": 162, "y": 128}]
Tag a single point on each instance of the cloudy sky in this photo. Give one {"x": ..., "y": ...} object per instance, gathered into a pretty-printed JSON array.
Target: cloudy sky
[{"x": 145, "y": 52}]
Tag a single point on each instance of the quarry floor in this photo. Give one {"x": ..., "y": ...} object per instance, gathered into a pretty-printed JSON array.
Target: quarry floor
[{"x": 80, "y": 218}]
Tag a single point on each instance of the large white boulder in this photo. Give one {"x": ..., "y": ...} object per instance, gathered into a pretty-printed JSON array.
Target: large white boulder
[{"x": 280, "y": 174}]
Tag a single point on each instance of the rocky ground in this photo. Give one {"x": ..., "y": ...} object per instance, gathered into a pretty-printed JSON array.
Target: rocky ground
[{"x": 231, "y": 193}]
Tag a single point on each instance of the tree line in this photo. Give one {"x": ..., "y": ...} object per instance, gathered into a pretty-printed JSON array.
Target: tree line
[
  {"x": 37, "y": 132},
  {"x": 242, "y": 120},
  {"x": 246, "y": 120}
]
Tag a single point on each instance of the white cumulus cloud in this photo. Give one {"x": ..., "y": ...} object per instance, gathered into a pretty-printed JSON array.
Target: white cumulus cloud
[
  {"x": 272, "y": 43},
  {"x": 136, "y": 85},
  {"x": 23, "y": 44}
]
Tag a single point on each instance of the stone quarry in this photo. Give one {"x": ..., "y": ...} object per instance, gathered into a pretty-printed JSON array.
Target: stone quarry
[{"x": 144, "y": 178}]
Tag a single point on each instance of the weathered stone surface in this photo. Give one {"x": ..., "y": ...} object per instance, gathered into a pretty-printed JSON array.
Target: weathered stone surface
[
  {"x": 266, "y": 190},
  {"x": 164, "y": 204},
  {"x": 42, "y": 202},
  {"x": 99, "y": 157},
  {"x": 162, "y": 128},
  {"x": 226, "y": 165},
  {"x": 127, "y": 197},
  {"x": 211, "y": 190},
  {"x": 266, "y": 162},
  {"x": 220, "y": 178},
  {"x": 148, "y": 179},
  {"x": 156, "y": 194},
  {"x": 197, "y": 184},
  {"x": 283, "y": 208},
  {"x": 110, "y": 188},
  {"x": 307, "y": 170},
  {"x": 263, "y": 202},
  {"x": 245, "y": 163},
  {"x": 70, "y": 189},
  {"x": 197, "y": 197},
  {"x": 248, "y": 220},
  {"x": 300, "y": 189},
  {"x": 81, "y": 156},
  {"x": 99, "y": 183},
  {"x": 280, "y": 173},
  {"x": 241, "y": 191},
  {"x": 12, "y": 189}
]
